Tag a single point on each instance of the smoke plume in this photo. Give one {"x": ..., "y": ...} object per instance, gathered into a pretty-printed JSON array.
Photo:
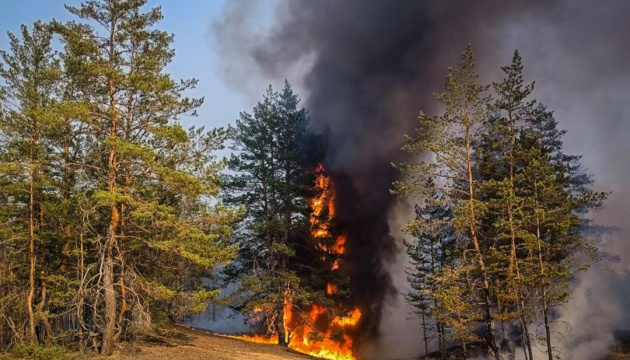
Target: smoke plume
[{"x": 367, "y": 67}]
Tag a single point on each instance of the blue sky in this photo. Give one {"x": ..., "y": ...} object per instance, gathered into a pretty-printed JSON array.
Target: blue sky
[{"x": 195, "y": 51}]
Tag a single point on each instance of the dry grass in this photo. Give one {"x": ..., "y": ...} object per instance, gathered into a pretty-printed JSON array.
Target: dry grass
[{"x": 186, "y": 343}]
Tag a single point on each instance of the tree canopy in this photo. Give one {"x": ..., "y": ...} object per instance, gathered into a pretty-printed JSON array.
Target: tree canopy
[{"x": 518, "y": 231}]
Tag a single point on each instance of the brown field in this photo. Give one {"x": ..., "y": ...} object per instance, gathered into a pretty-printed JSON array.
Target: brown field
[{"x": 188, "y": 343}]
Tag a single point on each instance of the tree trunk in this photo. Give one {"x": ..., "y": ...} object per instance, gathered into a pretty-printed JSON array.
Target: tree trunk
[
  {"x": 442, "y": 341},
  {"x": 81, "y": 295},
  {"x": 425, "y": 336},
  {"x": 288, "y": 211},
  {"x": 543, "y": 287},
  {"x": 547, "y": 328},
  {"x": 491, "y": 338},
  {"x": 47, "y": 333},
  {"x": 123, "y": 299},
  {"x": 508, "y": 342},
  {"x": 282, "y": 335},
  {"x": 108, "y": 286},
  {"x": 32, "y": 336},
  {"x": 110, "y": 243}
]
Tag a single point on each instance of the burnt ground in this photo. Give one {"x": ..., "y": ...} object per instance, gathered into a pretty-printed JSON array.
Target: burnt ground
[{"x": 186, "y": 343}]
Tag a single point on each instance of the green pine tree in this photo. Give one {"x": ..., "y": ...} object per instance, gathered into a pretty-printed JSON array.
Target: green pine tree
[
  {"x": 273, "y": 181},
  {"x": 150, "y": 182},
  {"x": 450, "y": 140},
  {"x": 431, "y": 252},
  {"x": 28, "y": 120}
]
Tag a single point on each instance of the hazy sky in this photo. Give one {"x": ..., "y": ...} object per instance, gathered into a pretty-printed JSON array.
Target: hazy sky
[
  {"x": 576, "y": 50},
  {"x": 189, "y": 20}
]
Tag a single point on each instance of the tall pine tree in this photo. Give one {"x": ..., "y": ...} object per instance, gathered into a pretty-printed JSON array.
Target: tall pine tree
[
  {"x": 450, "y": 139},
  {"x": 27, "y": 128},
  {"x": 273, "y": 179},
  {"x": 518, "y": 193},
  {"x": 150, "y": 181}
]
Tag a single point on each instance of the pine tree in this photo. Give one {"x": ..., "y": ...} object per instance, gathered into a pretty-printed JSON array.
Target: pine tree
[
  {"x": 272, "y": 181},
  {"x": 498, "y": 158},
  {"x": 149, "y": 180},
  {"x": 27, "y": 129},
  {"x": 528, "y": 210},
  {"x": 451, "y": 139},
  {"x": 558, "y": 198},
  {"x": 254, "y": 186},
  {"x": 431, "y": 251},
  {"x": 537, "y": 178}
]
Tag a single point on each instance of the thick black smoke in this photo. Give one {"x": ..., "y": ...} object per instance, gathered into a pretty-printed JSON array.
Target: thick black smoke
[{"x": 368, "y": 67}]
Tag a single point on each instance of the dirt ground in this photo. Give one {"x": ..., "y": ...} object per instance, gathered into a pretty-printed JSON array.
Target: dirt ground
[{"x": 194, "y": 344}]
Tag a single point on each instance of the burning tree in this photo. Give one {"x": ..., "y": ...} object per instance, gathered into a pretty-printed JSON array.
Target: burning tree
[
  {"x": 291, "y": 247},
  {"x": 269, "y": 181}
]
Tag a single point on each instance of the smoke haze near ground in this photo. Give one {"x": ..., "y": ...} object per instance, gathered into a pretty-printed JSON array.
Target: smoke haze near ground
[{"x": 365, "y": 70}]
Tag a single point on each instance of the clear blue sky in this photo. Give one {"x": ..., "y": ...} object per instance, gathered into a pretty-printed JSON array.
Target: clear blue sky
[{"x": 195, "y": 55}]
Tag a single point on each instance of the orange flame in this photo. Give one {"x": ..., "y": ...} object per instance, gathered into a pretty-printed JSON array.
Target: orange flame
[
  {"x": 331, "y": 289},
  {"x": 258, "y": 339},
  {"x": 333, "y": 343},
  {"x": 332, "y": 340}
]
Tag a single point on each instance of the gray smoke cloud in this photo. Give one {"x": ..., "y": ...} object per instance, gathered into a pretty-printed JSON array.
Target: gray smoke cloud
[{"x": 367, "y": 67}]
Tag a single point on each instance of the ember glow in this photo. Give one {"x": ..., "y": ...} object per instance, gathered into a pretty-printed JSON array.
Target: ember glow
[{"x": 318, "y": 332}]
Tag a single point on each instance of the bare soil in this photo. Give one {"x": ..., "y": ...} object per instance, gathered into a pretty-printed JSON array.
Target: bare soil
[{"x": 187, "y": 343}]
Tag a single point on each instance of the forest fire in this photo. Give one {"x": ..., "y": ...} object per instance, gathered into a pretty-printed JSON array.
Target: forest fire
[
  {"x": 331, "y": 342},
  {"x": 319, "y": 333}
]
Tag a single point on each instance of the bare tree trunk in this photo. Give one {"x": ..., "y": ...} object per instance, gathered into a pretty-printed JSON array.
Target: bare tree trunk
[
  {"x": 508, "y": 342},
  {"x": 123, "y": 299},
  {"x": 547, "y": 327},
  {"x": 282, "y": 334}
]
